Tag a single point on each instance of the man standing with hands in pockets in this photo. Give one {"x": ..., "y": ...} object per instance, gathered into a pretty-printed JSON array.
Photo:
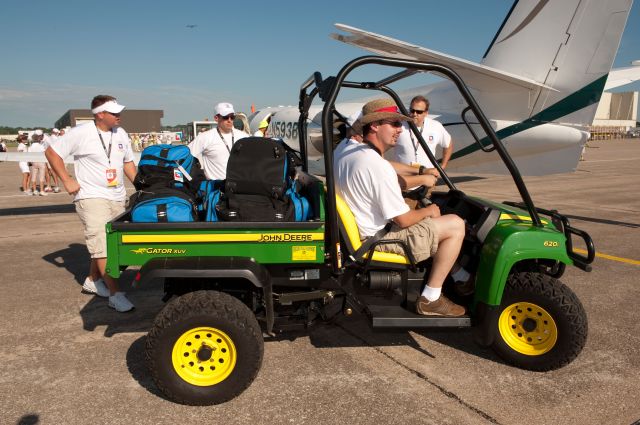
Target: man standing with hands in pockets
[{"x": 102, "y": 158}]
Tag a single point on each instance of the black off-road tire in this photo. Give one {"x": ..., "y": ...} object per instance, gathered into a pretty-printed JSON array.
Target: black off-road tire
[
  {"x": 226, "y": 318},
  {"x": 529, "y": 300}
]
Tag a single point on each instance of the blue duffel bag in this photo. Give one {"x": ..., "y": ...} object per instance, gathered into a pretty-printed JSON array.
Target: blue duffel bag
[
  {"x": 168, "y": 166},
  {"x": 162, "y": 206}
]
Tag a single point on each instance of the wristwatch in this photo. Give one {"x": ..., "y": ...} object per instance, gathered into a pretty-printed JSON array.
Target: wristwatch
[{"x": 422, "y": 170}]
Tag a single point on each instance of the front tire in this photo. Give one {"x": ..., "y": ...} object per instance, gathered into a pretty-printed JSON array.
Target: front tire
[
  {"x": 541, "y": 325},
  {"x": 204, "y": 348}
]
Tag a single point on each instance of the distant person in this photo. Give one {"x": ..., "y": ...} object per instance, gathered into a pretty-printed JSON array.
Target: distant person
[
  {"x": 212, "y": 148},
  {"x": 262, "y": 129},
  {"x": 38, "y": 168},
  {"x": 3, "y": 146},
  {"x": 51, "y": 179},
  {"x": 102, "y": 158},
  {"x": 408, "y": 149},
  {"x": 369, "y": 186},
  {"x": 24, "y": 165}
]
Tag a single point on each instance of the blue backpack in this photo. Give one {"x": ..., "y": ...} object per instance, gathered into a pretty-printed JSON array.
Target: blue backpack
[
  {"x": 168, "y": 166},
  {"x": 208, "y": 194},
  {"x": 162, "y": 206}
]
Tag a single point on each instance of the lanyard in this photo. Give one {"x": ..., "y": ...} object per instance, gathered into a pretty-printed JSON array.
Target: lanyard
[
  {"x": 107, "y": 152},
  {"x": 233, "y": 140},
  {"x": 415, "y": 143}
]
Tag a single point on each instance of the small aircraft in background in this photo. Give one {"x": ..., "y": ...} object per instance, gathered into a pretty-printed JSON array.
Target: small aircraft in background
[{"x": 539, "y": 83}]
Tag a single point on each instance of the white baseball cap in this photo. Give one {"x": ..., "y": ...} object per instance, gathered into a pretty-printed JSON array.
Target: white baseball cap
[
  {"x": 38, "y": 132},
  {"x": 111, "y": 106},
  {"x": 223, "y": 109},
  {"x": 55, "y": 130}
]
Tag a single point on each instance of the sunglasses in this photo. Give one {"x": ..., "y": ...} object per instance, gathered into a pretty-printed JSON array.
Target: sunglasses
[
  {"x": 395, "y": 124},
  {"x": 227, "y": 117},
  {"x": 417, "y": 111},
  {"x": 111, "y": 113}
]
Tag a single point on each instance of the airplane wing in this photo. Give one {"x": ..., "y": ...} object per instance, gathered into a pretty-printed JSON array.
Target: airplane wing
[
  {"x": 474, "y": 75},
  {"x": 39, "y": 157},
  {"x": 623, "y": 76}
]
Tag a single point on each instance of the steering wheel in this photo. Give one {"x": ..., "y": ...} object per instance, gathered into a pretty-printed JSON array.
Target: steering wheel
[{"x": 420, "y": 194}]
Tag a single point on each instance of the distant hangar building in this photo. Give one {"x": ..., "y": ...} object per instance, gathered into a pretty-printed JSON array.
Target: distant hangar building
[
  {"x": 616, "y": 115},
  {"x": 132, "y": 120}
]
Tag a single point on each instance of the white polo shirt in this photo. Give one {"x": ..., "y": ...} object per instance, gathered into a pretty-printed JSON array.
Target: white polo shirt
[
  {"x": 409, "y": 151},
  {"x": 91, "y": 161},
  {"x": 369, "y": 186},
  {"x": 213, "y": 151}
]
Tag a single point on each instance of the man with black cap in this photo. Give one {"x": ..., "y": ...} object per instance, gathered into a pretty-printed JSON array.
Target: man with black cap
[
  {"x": 369, "y": 186},
  {"x": 212, "y": 148},
  {"x": 102, "y": 158}
]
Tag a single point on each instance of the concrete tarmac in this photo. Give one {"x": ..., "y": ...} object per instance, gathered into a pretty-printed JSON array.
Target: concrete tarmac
[{"x": 69, "y": 359}]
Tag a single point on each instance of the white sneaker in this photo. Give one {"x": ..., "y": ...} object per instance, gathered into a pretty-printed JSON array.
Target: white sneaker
[
  {"x": 56, "y": 189},
  {"x": 36, "y": 193},
  {"x": 97, "y": 287},
  {"x": 120, "y": 302},
  {"x": 43, "y": 193},
  {"x": 28, "y": 192}
]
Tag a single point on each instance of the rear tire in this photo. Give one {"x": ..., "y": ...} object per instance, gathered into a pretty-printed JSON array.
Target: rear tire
[
  {"x": 204, "y": 348},
  {"x": 542, "y": 325}
]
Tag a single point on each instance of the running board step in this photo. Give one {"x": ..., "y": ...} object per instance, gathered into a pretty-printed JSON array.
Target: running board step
[{"x": 394, "y": 316}]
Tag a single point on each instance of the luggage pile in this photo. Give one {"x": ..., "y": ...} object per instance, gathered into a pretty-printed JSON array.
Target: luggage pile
[{"x": 261, "y": 185}]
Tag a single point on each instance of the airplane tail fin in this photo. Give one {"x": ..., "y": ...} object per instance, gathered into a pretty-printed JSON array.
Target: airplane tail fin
[{"x": 569, "y": 45}]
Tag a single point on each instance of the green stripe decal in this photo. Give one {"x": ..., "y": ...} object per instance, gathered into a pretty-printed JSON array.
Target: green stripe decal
[{"x": 584, "y": 97}]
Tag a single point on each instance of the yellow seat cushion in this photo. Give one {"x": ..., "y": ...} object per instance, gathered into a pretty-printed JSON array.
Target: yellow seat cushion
[{"x": 349, "y": 224}]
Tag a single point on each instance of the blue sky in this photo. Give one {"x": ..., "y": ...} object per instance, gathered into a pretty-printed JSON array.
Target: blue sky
[{"x": 58, "y": 55}]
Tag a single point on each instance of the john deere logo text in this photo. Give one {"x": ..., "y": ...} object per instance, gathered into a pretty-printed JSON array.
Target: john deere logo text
[
  {"x": 284, "y": 237},
  {"x": 159, "y": 251}
]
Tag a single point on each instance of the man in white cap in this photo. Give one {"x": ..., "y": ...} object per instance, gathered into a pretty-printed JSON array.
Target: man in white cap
[
  {"x": 102, "y": 158},
  {"x": 38, "y": 169},
  {"x": 369, "y": 186},
  {"x": 212, "y": 147}
]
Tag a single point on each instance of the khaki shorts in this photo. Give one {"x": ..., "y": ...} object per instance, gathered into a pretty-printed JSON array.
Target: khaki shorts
[
  {"x": 94, "y": 214},
  {"x": 421, "y": 239}
]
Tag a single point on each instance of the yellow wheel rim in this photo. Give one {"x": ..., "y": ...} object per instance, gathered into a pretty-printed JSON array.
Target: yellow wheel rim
[
  {"x": 204, "y": 356},
  {"x": 528, "y": 329}
]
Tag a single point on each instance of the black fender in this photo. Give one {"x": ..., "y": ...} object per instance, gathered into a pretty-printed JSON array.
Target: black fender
[
  {"x": 211, "y": 267},
  {"x": 486, "y": 323}
]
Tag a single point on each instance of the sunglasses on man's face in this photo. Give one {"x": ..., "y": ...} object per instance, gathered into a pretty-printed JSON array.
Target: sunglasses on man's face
[
  {"x": 395, "y": 124},
  {"x": 227, "y": 117},
  {"x": 417, "y": 111},
  {"x": 111, "y": 113}
]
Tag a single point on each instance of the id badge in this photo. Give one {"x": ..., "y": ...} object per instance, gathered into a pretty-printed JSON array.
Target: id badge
[{"x": 112, "y": 177}]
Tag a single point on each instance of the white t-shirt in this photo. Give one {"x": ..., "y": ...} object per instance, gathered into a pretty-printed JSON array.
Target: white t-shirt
[
  {"x": 22, "y": 147},
  {"x": 408, "y": 149},
  {"x": 369, "y": 186},
  {"x": 213, "y": 151},
  {"x": 91, "y": 162},
  {"x": 36, "y": 147}
]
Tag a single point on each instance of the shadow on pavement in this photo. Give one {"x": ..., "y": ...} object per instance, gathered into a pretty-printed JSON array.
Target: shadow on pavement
[
  {"x": 39, "y": 209},
  {"x": 138, "y": 369},
  {"x": 29, "y": 419},
  {"x": 147, "y": 300},
  {"x": 75, "y": 258}
]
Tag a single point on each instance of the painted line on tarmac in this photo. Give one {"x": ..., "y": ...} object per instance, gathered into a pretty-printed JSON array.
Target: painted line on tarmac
[
  {"x": 611, "y": 257},
  {"x": 613, "y": 160}
]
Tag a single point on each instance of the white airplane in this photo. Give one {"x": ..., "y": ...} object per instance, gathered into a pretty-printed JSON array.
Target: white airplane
[{"x": 539, "y": 83}]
